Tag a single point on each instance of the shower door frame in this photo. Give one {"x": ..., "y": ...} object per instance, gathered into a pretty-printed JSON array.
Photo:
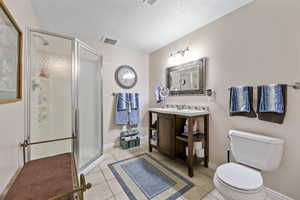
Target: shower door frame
[
  {"x": 77, "y": 45},
  {"x": 74, "y": 92}
]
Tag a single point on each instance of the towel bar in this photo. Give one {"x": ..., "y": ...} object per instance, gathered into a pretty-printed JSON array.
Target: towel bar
[
  {"x": 27, "y": 143},
  {"x": 296, "y": 86}
]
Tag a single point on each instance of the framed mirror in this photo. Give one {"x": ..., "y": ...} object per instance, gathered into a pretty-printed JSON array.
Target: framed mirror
[
  {"x": 126, "y": 76},
  {"x": 188, "y": 78},
  {"x": 10, "y": 57}
]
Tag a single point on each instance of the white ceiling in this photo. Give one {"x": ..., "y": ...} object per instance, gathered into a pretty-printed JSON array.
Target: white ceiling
[{"x": 134, "y": 24}]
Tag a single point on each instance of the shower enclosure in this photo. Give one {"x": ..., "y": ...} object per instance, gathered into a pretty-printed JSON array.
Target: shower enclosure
[{"x": 63, "y": 97}]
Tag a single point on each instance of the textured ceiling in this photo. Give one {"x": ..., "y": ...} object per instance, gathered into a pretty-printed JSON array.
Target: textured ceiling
[{"x": 134, "y": 24}]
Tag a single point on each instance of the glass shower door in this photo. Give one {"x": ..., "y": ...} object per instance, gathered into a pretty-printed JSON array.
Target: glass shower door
[
  {"x": 89, "y": 106},
  {"x": 63, "y": 98},
  {"x": 49, "y": 93}
]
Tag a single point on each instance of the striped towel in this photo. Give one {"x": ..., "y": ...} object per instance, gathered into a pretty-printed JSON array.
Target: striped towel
[
  {"x": 122, "y": 101},
  {"x": 240, "y": 99},
  {"x": 134, "y": 101},
  {"x": 122, "y": 108},
  {"x": 271, "y": 98}
]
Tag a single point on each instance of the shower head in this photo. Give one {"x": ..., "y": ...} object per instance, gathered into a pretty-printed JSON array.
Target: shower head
[{"x": 44, "y": 41}]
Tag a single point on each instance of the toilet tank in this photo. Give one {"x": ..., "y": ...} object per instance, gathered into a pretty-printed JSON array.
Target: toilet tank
[{"x": 260, "y": 152}]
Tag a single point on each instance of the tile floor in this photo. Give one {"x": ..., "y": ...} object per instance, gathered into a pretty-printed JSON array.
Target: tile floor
[{"x": 106, "y": 187}]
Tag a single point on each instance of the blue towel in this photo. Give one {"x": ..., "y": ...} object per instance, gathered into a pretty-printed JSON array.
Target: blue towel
[
  {"x": 127, "y": 109},
  {"x": 134, "y": 101},
  {"x": 122, "y": 101},
  {"x": 271, "y": 98},
  {"x": 134, "y": 112},
  {"x": 158, "y": 97},
  {"x": 122, "y": 109},
  {"x": 240, "y": 99}
]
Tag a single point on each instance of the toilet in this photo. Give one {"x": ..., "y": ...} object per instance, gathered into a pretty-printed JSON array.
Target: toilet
[{"x": 242, "y": 179}]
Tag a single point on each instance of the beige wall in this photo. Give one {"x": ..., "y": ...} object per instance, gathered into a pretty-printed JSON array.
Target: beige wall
[
  {"x": 12, "y": 115},
  {"x": 257, "y": 44},
  {"x": 113, "y": 57}
]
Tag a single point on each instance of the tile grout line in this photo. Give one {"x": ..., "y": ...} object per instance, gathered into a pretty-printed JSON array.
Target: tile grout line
[
  {"x": 114, "y": 195},
  {"x": 106, "y": 181}
]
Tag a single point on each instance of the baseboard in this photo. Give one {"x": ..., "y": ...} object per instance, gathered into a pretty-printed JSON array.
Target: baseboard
[
  {"x": 271, "y": 194},
  {"x": 10, "y": 183},
  {"x": 92, "y": 166},
  {"x": 274, "y": 195},
  {"x": 212, "y": 166},
  {"x": 108, "y": 146}
]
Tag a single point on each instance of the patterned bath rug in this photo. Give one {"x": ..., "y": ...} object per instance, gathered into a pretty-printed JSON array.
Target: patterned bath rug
[{"x": 144, "y": 177}]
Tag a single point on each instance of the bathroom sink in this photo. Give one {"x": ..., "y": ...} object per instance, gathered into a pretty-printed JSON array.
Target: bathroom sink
[{"x": 184, "y": 112}]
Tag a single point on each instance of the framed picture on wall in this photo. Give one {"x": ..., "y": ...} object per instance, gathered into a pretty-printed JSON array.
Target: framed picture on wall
[{"x": 10, "y": 57}]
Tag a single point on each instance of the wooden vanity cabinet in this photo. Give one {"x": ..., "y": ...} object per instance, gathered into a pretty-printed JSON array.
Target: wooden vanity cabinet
[
  {"x": 169, "y": 141},
  {"x": 166, "y": 134}
]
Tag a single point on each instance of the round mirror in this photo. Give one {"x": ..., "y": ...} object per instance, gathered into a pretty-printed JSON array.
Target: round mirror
[{"x": 126, "y": 76}]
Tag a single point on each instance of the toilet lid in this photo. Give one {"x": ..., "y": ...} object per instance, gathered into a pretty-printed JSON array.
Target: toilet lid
[{"x": 239, "y": 176}]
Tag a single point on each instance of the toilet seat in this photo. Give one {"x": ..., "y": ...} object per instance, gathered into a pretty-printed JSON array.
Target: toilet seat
[{"x": 239, "y": 177}]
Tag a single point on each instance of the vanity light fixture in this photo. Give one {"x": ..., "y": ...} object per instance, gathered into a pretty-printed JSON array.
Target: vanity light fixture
[{"x": 180, "y": 52}]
